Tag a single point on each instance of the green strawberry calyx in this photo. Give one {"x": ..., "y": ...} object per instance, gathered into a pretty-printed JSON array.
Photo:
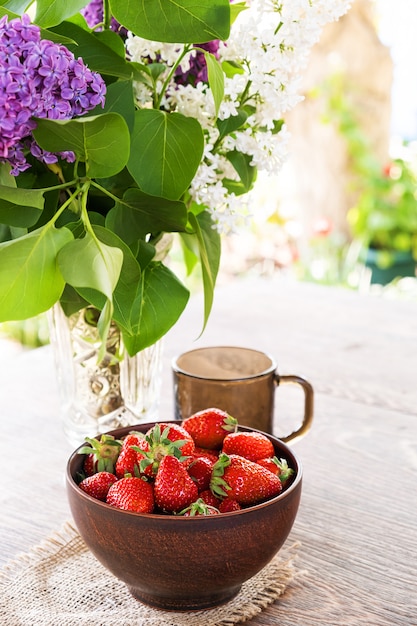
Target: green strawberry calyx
[
  {"x": 104, "y": 450},
  {"x": 284, "y": 470},
  {"x": 199, "y": 507},
  {"x": 159, "y": 446},
  {"x": 218, "y": 485},
  {"x": 230, "y": 424}
]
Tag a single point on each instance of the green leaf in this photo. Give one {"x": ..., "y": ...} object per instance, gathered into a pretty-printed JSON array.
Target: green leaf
[
  {"x": 30, "y": 280},
  {"x": 155, "y": 69},
  {"x": 52, "y": 12},
  {"x": 215, "y": 79},
  {"x": 166, "y": 151},
  {"x": 139, "y": 214},
  {"x": 147, "y": 303},
  {"x": 278, "y": 124},
  {"x": 103, "y": 327},
  {"x": 16, "y": 6},
  {"x": 160, "y": 301},
  {"x": 175, "y": 21},
  {"x": 112, "y": 40},
  {"x": 127, "y": 287},
  {"x": 102, "y": 141},
  {"x": 145, "y": 253},
  {"x": 9, "y": 14},
  {"x": 236, "y": 8},
  {"x": 189, "y": 252},
  {"x": 234, "y": 186},
  {"x": 71, "y": 301},
  {"x": 230, "y": 69},
  {"x": 232, "y": 123},
  {"x": 246, "y": 171},
  {"x": 5, "y": 177},
  {"x": 95, "y": 52},
  {"x": 119, "y": 99},
  {"x": 97, "y": 265},
  {"x": 209, "y": 244},
  {"x": 20, "y": 207}
]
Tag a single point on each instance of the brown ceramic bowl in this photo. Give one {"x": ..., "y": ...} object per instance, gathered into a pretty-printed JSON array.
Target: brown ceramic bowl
[{"x": 184, "y": 563}]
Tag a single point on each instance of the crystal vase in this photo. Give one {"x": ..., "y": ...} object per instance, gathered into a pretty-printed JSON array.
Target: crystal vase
[{"x": 98, "y": 396}]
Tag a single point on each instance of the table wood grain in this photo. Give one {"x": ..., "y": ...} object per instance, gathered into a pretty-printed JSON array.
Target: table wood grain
[{"x": 357, "y": 523}]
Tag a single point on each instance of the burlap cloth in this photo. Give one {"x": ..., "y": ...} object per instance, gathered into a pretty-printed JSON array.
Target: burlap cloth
[{"x": 60, "y": 583}]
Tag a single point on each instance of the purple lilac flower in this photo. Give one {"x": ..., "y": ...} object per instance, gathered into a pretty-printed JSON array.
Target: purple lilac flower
[
  {"x": 93, "y": 14},
  {"x": 39, "y": 78},
  {"x": 198, "y": 68}
]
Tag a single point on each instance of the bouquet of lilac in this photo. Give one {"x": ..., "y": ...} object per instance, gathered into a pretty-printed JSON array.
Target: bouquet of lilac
[
  {"x": 40, "y": 79},
  {"x": 122, "y": 123}
]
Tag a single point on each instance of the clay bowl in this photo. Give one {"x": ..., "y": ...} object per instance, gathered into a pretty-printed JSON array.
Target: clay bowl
[{"x": 184, "y": 563}]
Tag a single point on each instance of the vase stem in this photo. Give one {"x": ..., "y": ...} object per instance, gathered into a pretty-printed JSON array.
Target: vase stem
[{"x": 100, "y": 396}]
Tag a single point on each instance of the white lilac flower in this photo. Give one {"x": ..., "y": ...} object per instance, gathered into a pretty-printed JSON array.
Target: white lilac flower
[
  {"x": 140, "y": 49},
  {"x": 271, "y": 41},
  {"x": 192, "y": 101}
]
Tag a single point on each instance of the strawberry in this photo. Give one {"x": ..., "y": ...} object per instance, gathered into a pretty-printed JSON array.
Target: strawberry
[
  {"x": 97, "y": 485},
  {"x": 127, "y": 463},
  {"x": 208, "y": 428},
  {"x": 135, "y": 439},
  {"x": 279, "y": 467},
  {"x": 176, "y": 433},
  {"x": 209, "y": 498},
  {"x": 199, "y": 507},
  {"x": 228, "y": 505},
  {"x": 269, "y": 464},
  {"x": 164, "y": 439},
  {"x": 174, "y": 488},
  {"x": 211, "y": 455},
  {"x": 251, "y": 445},
  {"x": 132, "y": 494},
  {"x": 129, "y": 458},
  {"x": 243, "y": 480},
  {"x": 200, "y": 471},
  {"x": 101, "y": 454}
]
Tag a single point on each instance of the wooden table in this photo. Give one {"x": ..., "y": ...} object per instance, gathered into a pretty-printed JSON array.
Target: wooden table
[{"x": 357, "y": 523}]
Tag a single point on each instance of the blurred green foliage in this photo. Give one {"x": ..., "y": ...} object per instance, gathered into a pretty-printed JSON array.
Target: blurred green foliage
[{"x": 31, "y": 333}]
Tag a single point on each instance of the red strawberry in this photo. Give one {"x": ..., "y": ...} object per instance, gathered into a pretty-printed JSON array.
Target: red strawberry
[
  {"x": 174, "y": 488},
  {"x": 97, "y": 485},
  {"x": 101, "y": 454},
  {"x": 243, "y": 480},
  {"x": 129, "y": 457},
  {"x": 200, "y": 471},
  {"x": 199, "y": 507},
  {"x": 164, "y": 439},
  {"x": 132, "y": 494},
  {"x": 127, "y": 463},
  {"x": 279, "y": 467},
  {"x": 228, "y": 505},
  {"x": 251, "y": 445},
  {"x": 176, "y": 433},
  {"x": 269, "y": 464},
  {"x": 209, "y": 498},
  {"x": 211, "y": 455},
  {"x": 135, "y": 439},
  {"x": 208, "y": 428}
]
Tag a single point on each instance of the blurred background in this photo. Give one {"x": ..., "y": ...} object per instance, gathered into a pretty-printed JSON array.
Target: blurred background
[
  {"x": 349, "y": 184},
  {"x": 343, "y": 209}
]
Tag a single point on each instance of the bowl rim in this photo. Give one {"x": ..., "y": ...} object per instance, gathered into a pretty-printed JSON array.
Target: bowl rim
[{"x": 192, "y": 518}]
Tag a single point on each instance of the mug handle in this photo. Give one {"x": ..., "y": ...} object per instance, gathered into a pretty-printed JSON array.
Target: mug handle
[{"x": 308, "y": 404}]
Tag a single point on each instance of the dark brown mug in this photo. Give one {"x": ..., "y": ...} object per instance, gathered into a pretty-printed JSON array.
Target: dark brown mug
[{"x": 241, "y": 381}]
